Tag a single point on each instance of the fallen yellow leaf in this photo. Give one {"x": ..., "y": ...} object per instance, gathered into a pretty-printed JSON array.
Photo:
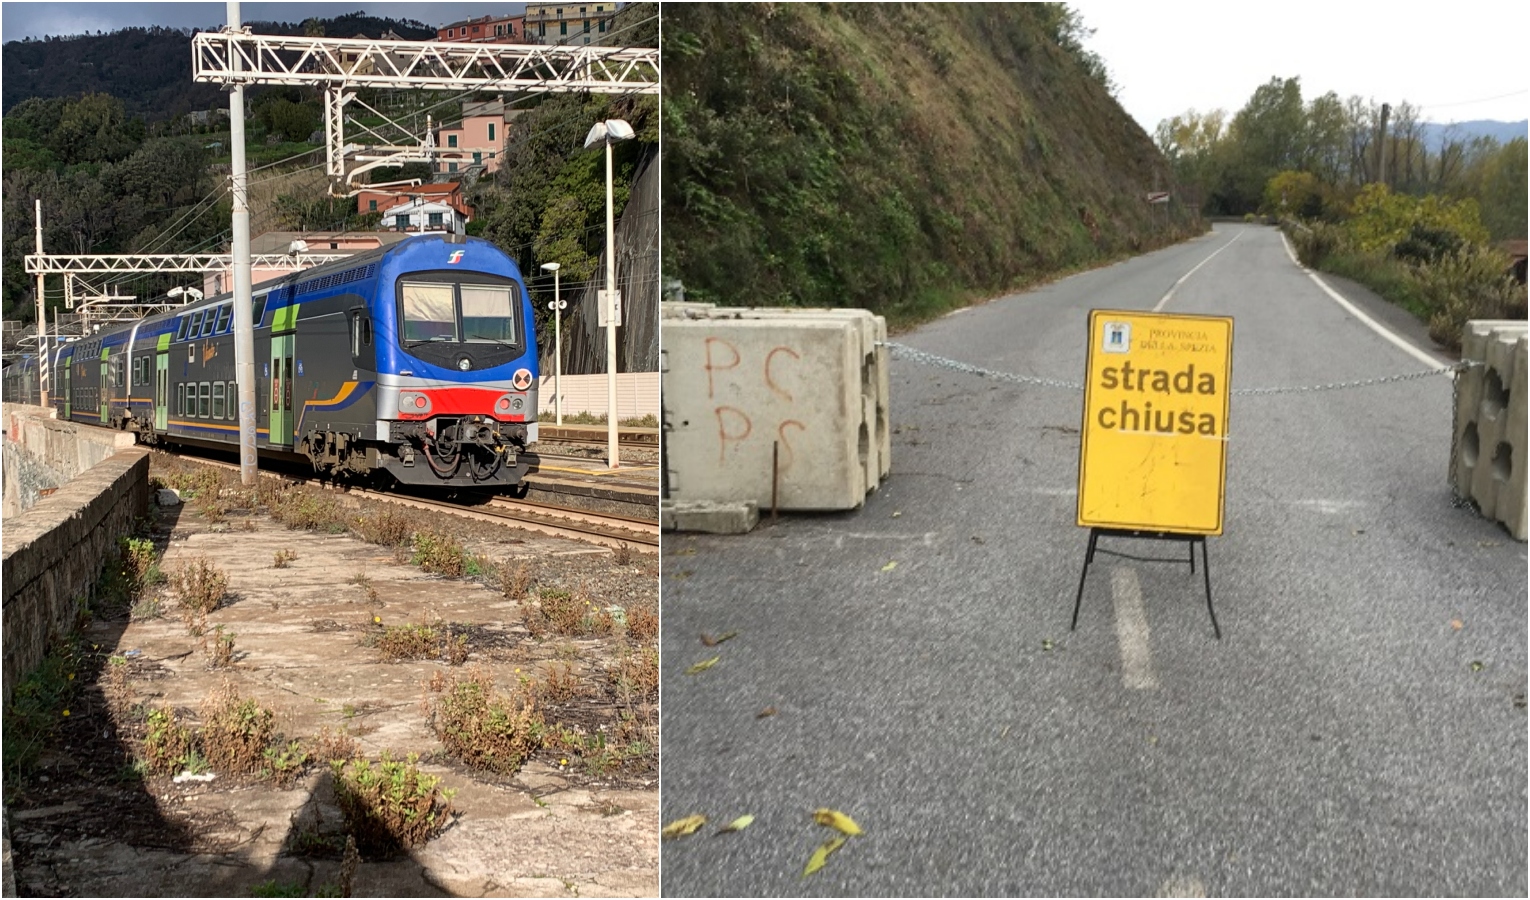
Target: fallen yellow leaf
[
  {"x": 703, "y": 665},
  {"x": 821, "y": 855},
  {"x": 738, "y": 824},
  {"x": 710, "y": 641},
  {"x": 838, "y": 821},
  {"x": 890, "y": 566},
  {"x": 765, "y": 713},
  {"x": 682, "y": 827}
]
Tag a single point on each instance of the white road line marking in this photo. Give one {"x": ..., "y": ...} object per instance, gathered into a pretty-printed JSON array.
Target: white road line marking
[
  {"x": 1186, "y": 277},
  {"x": 1375, "y": 326},
  {"x": 1182, "y": 886},
  {"x": 1132, "y": 630}
]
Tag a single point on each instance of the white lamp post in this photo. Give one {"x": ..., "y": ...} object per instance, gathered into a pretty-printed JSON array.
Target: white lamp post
[
  {"x": 557, "y": 306},
  {"x": 191, "y": 294},
  {"x": 609, "y": 132}
]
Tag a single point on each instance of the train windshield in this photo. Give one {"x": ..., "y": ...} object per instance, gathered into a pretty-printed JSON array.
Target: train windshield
[
  {"x": 487, "y": 314},
  {"x": 465, "y": 313}
]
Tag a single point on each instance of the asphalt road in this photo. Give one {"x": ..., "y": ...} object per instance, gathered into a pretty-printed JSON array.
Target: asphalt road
[{"x": 1344, "y": 737}]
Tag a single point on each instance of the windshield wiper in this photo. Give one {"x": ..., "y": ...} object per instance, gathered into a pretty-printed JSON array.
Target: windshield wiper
[{"x": 429, "y": 340}]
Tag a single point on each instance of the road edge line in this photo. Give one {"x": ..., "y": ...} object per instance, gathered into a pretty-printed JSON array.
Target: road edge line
[{"x": 1391, "y": 336}]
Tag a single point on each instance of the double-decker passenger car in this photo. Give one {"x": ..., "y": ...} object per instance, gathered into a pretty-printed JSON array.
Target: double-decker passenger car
[{"x": 417, "y": 360}]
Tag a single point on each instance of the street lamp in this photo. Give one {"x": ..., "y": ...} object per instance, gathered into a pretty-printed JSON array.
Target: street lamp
[
  {"x": 557, "y": 306},
  {"x": 191, "y": 294},
  {"x": 609, "y": 132}
]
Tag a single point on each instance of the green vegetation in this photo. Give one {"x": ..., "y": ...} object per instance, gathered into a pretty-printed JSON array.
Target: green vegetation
[
  {"x": 900, "y": 158},
  {"x": 392, "y": 806},
  {"x": 1411, "y": 218}
]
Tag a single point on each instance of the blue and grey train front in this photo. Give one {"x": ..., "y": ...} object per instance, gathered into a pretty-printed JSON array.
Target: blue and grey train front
[{"x": 456, "y": 364}]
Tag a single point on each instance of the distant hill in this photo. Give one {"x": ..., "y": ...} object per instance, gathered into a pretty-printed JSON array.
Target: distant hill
[
  {"x": 148, "y": 69},
  {"x": 1502, "y": 132}
]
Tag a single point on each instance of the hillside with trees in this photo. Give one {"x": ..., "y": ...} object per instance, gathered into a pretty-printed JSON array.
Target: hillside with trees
[
  {"x": 149, "y": 69},
  {"x": 906, "y": 159},
  {"x": 113, "y": 180},
  {"x": 1414, "y": 211}
]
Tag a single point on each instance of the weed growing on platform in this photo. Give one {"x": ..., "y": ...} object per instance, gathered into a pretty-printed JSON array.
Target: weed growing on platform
[
  {"x": 482, "y": 728},
  {"x": 421, "y": 641},
  {"x": 236, "y": 731},
  {"x": 561, "y": 685},
  {"x": 636, "y": 674},
  {"x": 622, "y": 555},
  {"x": 391, "y": 806},
  {"x": 328, "y": 746},
  {"x": 643, "y": 622},
  {"x": 440, "y": 554},
  {"x": 220, "y": 649},
  {"x": 281, "y": 559},
  {"x": 385, "y": 527},
  {"x": 284, "y": 763},
  {"x": 516, "y": 579},
  {"x": 571, "y": 613},
  {"x": 39, "y": 704},
  {"x": 200, "y": 585},
  {"x": 167, "y": 744}
]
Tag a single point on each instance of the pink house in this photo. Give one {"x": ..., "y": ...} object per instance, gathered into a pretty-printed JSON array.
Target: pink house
[{"x": 479, "y": 139}]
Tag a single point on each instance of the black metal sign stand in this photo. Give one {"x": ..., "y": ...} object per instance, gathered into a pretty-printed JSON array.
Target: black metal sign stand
[{"x": 1192, "y": 539}]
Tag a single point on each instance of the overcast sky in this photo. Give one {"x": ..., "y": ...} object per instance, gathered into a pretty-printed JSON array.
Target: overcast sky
[
  {"x": 1459, "y": 61},
  {"x": 21, "y": 20}
]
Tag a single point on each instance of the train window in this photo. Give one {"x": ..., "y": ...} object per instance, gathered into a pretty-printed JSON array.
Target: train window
[
  {"x": 259, "y": 305},
  {"x": 180, "y": 399},
  {"x": 487, "y": 314},
  {"x": 217, "y": 400},
  {"x": 196, "y": 325},
  {"x": 208, "y": 321},
  {"x": 180, "y": 329},
  {"x": 428, "y": 312},
  {"x": 224, "y": 312},
  {"x": 204, "y": 400},
  {"x": 233, "y": 399}
]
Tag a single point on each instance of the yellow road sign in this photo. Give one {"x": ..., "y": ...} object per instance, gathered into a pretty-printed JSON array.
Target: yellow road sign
[{"x": 1154, "y": 435}]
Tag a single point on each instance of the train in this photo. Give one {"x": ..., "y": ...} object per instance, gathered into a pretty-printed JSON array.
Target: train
[{"x": 415, "y": 362}]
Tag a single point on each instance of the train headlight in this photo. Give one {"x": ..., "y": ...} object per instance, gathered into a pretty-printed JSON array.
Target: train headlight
[
  {"x": 412, "y": 403},
  {"x": 510, "y": 406}
]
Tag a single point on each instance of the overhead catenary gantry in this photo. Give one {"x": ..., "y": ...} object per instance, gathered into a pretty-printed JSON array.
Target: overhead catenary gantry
[
  {"x": 51, "y": 264},
  {"x": 339, "y": 65}
]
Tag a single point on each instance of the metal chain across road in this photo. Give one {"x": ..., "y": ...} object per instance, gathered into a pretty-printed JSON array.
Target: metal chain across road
[{"x": 903, "y": 351}]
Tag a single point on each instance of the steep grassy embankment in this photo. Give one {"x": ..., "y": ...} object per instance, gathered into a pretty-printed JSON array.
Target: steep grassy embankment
[{"x": 901, "y": 158}]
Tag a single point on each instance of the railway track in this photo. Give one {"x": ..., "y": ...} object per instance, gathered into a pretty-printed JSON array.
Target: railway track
[
  {"x": 599, "y": 528},
  {"x": 596, "y": 437}
]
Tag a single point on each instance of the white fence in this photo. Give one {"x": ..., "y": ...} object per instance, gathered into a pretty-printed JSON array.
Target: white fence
[{"x": 637, "y": 395}]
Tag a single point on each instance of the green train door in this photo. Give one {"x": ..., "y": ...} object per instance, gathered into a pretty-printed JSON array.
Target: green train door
[
  {"x": 162, "y": 384},
  {"x": 106, "y": 396},
  {"x": 281, "y": 391}
]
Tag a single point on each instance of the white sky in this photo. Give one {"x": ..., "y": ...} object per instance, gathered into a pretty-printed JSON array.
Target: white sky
[{"x": 1459, "y": 61}]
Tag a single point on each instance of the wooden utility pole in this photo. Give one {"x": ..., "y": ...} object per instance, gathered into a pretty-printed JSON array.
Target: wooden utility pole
[{"x": 1381, "y": 146}]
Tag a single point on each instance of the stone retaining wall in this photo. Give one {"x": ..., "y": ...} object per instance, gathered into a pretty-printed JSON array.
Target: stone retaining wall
[{"x": 54, "y": 551}]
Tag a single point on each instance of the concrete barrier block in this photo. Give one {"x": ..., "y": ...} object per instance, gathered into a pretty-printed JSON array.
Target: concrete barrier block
[
  {"x": 1490, "y": 422},
  {"x": 759, "y": 404},
  {"x": 874, "y": 374},
  {"x": 708, "y": 518}
]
